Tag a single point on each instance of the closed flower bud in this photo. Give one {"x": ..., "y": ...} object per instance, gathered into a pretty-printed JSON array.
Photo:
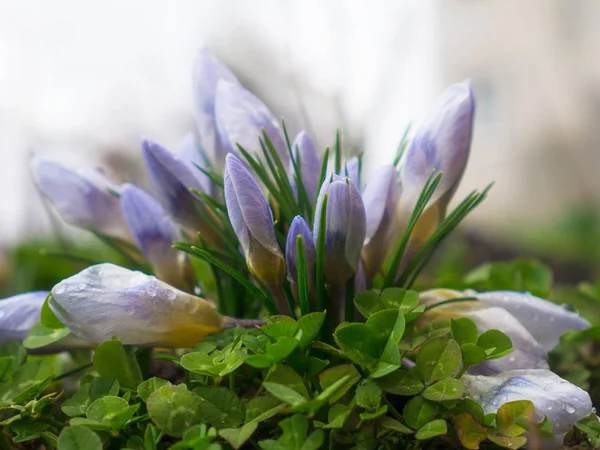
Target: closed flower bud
[
  {"x": 381, "y": 200},
  {"x": 208, "y": 70},
  {"x": 441, "y": 144},
  {"x": 82, "y": 199},
  {"x": 310, "y": 165},
  {"x": 105, "y": 300},
  {"x": 252, "y": 222},
  {"x": 154, "y": 233},
  {"x": 240, "y": 117},
  {"x": 299, "y": 227},
  {"x": 171, "y": 180},
  {"x": 345, "y": 229}
]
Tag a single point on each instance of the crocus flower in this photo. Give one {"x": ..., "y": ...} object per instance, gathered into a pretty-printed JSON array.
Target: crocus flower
[
  {"x": 19, "y": 314},
  {"x": 190, "y": 153},
  {"x": 304, "y": 151},
  {"x": 529, "y": 352},
  {"x": 345, "y": 229},
  {"x": 208, "y": 70},
  {"x": 240, "y": 116},
  {"x": 560, "y": 401},
  {"x": 171, "y": 180},
  {"x": 351, "y": 170},
  {"x": 154, "y": 233},
  {"x": 546, "y": 321},
  {"x": 441, "y": 144},
  {"x": 82, "y": 198},
  {"x": 106, "y": 300},
  {"x": 252, "y": 222},
  {"x": 381, "y": 200},
  {"x": 299, "y": 227}
]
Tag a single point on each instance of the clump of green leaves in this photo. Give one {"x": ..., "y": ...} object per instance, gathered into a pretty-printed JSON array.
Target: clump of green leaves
[{"x": 381, "y": 383}]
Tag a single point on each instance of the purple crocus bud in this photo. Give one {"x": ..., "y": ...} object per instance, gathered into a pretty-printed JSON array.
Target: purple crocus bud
[
  {"x": 171, "y": 180},
  {"x": 345, "y": 229},
  {"x": 305, "y": 153},
  {"x": 154, "y": 233},
  {"x": 381, "y": 200},
  {"x": 105, "y": 300},
  {"x": 240, "y": 115},
  {"x": 441, "y": 144},
  {"x": 252, "y": 222},
  {"x": 20, "y": 313},
  {"x": 82, "y": 198},
  {"x": 208, "y": 70},
  {"x": 190, "y": 154},
  {"x": 299, "y": 227},
  {"x": 351, "y": 169}
]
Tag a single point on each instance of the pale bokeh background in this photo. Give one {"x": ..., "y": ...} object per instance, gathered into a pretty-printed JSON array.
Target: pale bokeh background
[{"x": 86, "y": 80}]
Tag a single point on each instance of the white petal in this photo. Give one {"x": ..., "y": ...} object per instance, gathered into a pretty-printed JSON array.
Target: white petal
[
  {"x": 545, "y": 320},
  {"x": 106, "y": 300},
  {"x": 562, "y": 402}
]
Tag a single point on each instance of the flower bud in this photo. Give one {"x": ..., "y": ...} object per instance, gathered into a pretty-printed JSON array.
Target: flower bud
[
  {"x": 381, "y": 200},
  {"x": 154, "y": 234},
  {"x": 105, "y": 300},
  {"x": 345, "y": 229},
  {"x": 171, "y": 180},
  {"x": 299, "y": 227},
  {"x": 240, "y": 116},
  {"x": 310, "y": 165},
  {"x": 82, "y": 198},
  {"x": 441, "y": 144},
  {"x": 252, "y": 222},
  {"x": 208, "y": 70}
]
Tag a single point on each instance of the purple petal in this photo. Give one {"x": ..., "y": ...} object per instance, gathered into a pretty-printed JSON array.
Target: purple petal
[
  {"x": 240, "y": 116},
  {"x": 82, "y": 200},
  {"x": 299, "y": 227},
  {"x": 171, "y": 180},
  {"x": 247, "y": 207},
  {"x": 310, "y": 164},
  {"x": 190, "y": 154},
  {"x": 352, "y": 170},
  {"x": 152, "y": 230},
  {"x": 208, "y": 70},
  {"x": 18, "y": 314},
  {"x": 442, "y": 143},
  {"x": 380, "y": 198}
]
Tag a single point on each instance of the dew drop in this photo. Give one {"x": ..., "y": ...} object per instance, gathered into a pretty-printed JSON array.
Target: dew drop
[
  {"x": 81, "y": 286},
  {"x": 151, "y": 292},
  {"x": 171, "y": 294},
  {"x": 570, "y": 409},
  {"x": 549, "y": 407},
  {"x": 594, "y": 410},
  {"x": 62, "y": 287},
  {"x": 511, "y": 358}
]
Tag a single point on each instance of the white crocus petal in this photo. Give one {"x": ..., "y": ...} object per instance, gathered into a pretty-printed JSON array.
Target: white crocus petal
[
  {"x": 557, "y": 399},
  {"x": 527, "y": 354},
  {"x": 106, "y": 300},
  {"x": 545, "y": 320}
]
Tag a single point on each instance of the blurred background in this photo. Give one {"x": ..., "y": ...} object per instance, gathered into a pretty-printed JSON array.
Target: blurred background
[{"x": 85, "y": 81}]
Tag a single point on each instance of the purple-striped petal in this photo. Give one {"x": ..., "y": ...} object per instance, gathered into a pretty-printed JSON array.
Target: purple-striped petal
[
  {"x": 299, "y": 227},
  {"x": 19, "y": 313},
  {"x": 208, "y": 70},
  {"x": 252, "y": 222},
  {"x": 240, "y": 116},
  {"x": 82, "y": 198},
  {"x": 441, "y": 144},
  {"x": 171, "y": 181},
  {"x": 381, "y": 200},
  {"x": 310, "y": 165}
]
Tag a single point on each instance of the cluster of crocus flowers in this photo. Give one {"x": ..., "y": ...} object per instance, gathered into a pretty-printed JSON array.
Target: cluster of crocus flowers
[{"x": 276, "y": 215}]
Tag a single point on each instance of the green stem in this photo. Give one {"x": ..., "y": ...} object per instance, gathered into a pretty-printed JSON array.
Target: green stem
[{"x": 72, "y": 372}]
